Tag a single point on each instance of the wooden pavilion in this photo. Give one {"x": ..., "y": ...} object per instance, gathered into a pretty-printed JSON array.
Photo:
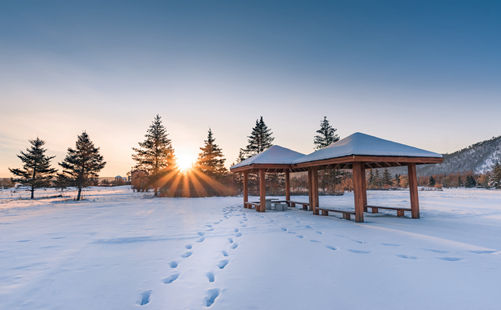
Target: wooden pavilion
[{"x": 356, "y": 152}]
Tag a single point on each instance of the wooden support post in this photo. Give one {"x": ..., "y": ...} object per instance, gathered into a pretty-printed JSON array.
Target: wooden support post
[
  {"x": 310, "y": 194},
  {"x": 246, "y": 188},
  {"x": 325, "y": 212},
  {"x": 262, "y": 191},
  {"x": 358, "y": 191},
  {"x": 364, "y": 187},
  {"x": 287, "y": 187},
  {"x": 314, "y": 175},
  {"x": 413, "y": 190}
]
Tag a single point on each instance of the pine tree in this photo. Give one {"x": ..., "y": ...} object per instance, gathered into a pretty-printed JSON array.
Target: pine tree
[
  {"x": 61, "y": 181},
  {"x": 36, "y": 171},
  {"x": 241, "y": 155},
  {"x": 431, "y": 181},
  {"x": 211, "y": 159},
  {"x": 377, "y": 179},
  {"x": 82, "y": 164},
  {"x": 470, "y": 181},
  {"x": 260, "y": 138},
  {"x": 386, "y": 177},
  {"x": 326, "y": 135},
  {"x": 155, "y": 155},
  {"x": 495, "y": 176}
]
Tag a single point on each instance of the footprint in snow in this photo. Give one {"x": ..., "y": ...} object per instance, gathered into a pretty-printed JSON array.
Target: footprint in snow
[
  {"x": 390, "y": 244},
  {"x": 283, "y": 229},
  {"x": 222, "y": 263},
  {"x": 406, "y": 256},
  {"x": 308, "y": 226},
  {"x": 314, "y": 241},
  {"x": 173, "y": 264},
  {"x": 359, "y": 251},
  {"x": 224, "y": 253},
  {"x": 482, "y": 252},
  {"x": 212, "y": 294},
  {"x": 234, "y": 246},
  {"x": 210, "y": 276},
  {"x": 200, "y": 233},
  {"x": 230, "y": 240},
  {"x": 201, "y": 239},
  {"x": 330, "y": 247},
  {"x": 319, "y": 232},
  {"x": 210, "y": 229},
  {"x": 171, "y": 278},
  {"x": 144, "y": 298},
  {"x": 187, "y": 254},
  {"x": 300, "y": 236},
  {"x": 437, "y": 251},
  {"x": 238, "y": 234},
  {"x": 188, "y": 246},
  {"x": 236, "y": 230},
  {"x": 450, "y": 259}
]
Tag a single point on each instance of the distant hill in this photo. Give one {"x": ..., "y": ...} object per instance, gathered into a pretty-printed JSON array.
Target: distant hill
[{"x": 478, "y": 158}]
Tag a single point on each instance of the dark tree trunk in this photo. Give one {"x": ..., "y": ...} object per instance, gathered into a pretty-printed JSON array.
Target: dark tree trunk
[
  {"x": 33, "y": 183},
  {"x": 79, "y": 193}
]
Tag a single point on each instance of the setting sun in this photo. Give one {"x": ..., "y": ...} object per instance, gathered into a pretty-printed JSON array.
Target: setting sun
[{"x": 185, "y": 161}]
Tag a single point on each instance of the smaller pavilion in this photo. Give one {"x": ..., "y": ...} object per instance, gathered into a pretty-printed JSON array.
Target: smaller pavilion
[{"x": 356, "y": 152}]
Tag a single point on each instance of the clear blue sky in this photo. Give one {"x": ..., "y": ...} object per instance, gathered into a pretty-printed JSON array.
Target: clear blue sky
[{"x": 426, "y": 73}]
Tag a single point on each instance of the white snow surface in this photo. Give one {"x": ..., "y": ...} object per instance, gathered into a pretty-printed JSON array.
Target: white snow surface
[
  {"x": 364, "y": 144},
  {"x": 122, "y": 250},
  {"x": 276, "y": 154}
]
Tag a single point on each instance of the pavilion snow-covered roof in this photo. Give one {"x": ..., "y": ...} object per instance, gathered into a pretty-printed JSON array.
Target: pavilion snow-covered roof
[
  {"x": 360, "y": 144},
  {"x": 274, "y": 155}
]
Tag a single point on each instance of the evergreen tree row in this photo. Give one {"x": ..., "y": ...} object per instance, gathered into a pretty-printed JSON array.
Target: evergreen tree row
[{"x": 81, "y": 165}]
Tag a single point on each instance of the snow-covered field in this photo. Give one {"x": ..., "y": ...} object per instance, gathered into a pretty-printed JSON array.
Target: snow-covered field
[{"x": 122, "y": 250}]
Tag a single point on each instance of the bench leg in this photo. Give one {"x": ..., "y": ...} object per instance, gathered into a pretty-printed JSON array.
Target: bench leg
[
  {"x": 293, "y": 204},
  {"x": 305, "y": 207},
  {"x": 346, "y": 216},
  {"x": 375, "y": 210},
  {"x": 400, "y": 213},
  {"x": 324, "y": 212},
  {"x": 365, "y": 208}
]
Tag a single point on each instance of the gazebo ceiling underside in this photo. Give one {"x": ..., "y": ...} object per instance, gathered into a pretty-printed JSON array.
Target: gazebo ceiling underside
[{"x": 345, "y": 162}]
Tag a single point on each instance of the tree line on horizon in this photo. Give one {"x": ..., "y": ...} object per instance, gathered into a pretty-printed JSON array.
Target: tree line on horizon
[{"x": 156, "y": 168}]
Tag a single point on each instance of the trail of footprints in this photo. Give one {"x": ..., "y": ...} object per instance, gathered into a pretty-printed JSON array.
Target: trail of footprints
[
  {"x": 212, "y": 293},
  {"x": 385, "y": 244}
]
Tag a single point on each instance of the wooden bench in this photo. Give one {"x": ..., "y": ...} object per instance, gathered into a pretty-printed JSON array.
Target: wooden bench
[
  {"x": 346, "y": 214},
  {"x": 292, "y": 204},
  {"x": 250, "y": 205},
  {"x": 400, "y": 211}
]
